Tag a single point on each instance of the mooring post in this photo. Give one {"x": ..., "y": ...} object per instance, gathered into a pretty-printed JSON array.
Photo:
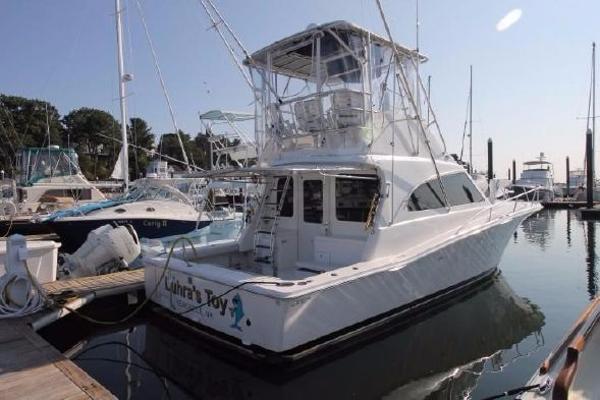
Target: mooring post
[
  {"x": 514, "y": 176},
  {"x": 490, "y": 166},
  {"x": 589, "y": 158},
  {"x": 568, "y": 179}
]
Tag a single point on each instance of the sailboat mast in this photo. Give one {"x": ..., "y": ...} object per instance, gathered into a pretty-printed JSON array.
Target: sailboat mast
[
  {"x": 122, "y": 80},
  {"x": 471, "y": 118},
  {"x": 593, "y": 109}
]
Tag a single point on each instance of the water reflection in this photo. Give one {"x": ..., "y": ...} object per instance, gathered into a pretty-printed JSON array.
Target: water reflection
[
  {"x": 569, "y": 229},
  {"x": 590, "y": 260},
  {"x": 441, "y": 355},
  {"x": 539, "y": 228}
]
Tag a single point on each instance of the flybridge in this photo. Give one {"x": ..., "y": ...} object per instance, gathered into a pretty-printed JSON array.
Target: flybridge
[{"x": 338, "y": 89}]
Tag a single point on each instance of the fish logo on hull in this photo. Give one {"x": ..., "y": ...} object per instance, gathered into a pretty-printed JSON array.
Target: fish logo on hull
[{"x": 237, "y": 312}]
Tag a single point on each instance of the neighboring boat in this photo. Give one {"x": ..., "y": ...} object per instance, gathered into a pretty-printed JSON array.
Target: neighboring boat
[
  {"x": 571, "y": 370},
  {"x": 154, "y": 207},
  {"x": 577, "y": 182},
  {"x": 539, "y": 175},
  {"x": 364, "y": 216},
  {"x": 49, "y": 179},
  {"x": 229, "y": 145}
]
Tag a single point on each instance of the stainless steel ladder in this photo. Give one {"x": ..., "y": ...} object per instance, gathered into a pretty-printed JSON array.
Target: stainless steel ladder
[{"x": 266, "y": 228}]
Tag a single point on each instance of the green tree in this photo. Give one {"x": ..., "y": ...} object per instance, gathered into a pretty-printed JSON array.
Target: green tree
[
  {"x": 169, "y": 146},
  {"x": 140, "y": 136},
  {"x": 94, "y": 134},
  {"x": 202, "y": 150},
  {"x": 25, "y": 123}
]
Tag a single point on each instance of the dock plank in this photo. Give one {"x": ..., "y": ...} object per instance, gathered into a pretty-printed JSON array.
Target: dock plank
[
  {"x": 129, "y": 280},
  {"x": 31, "y": 368}
]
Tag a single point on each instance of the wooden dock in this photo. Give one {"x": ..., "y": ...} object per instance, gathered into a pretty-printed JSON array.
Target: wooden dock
[{"x": 31, "y": 368}]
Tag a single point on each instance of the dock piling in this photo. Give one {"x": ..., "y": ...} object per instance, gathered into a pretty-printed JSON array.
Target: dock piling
[
  {"x": 490, "y": 163},
  {"x": 568, "y": 179},
  {"x": 514, "y": 175}
]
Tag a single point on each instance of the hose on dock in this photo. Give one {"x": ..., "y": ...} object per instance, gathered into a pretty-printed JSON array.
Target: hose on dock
[
  {"x": 514, "y": 392},
  {"x": 143, "y": 303},
  {"x": 20, "y": 296}
]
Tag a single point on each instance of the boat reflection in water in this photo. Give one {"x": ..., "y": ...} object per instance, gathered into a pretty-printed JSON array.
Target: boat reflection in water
[
  {"x": 438, "y": 356},
  {"x": 539, "y": 228}
]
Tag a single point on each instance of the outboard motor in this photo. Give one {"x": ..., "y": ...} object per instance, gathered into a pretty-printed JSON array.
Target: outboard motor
[{"x": 107, "y": 249}]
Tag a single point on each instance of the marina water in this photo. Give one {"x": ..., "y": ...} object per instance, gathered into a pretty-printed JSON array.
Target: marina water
[{"x": 488, "y": 341}]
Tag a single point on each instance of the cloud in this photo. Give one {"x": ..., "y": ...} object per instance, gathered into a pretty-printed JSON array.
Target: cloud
[{"x": 509, "y": 19}]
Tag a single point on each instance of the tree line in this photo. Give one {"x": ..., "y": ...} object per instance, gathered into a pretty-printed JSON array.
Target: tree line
[{"x": 94, "y": 134}]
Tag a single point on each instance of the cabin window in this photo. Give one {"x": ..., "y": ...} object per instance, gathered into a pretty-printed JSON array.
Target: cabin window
[
  {"x": 287, "y": 209},
  {"x": 459, "y": 190},
  {"x": 353, "y": 197},
  {"x": 428, "y": 196},
  {"x": 313, "y": 201}
]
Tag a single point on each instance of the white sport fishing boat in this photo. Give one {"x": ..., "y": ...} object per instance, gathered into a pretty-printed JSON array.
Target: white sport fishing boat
[
  {"x": 537, "y": 174},
  {"x": 364, "y": 217},
  {"x": 409, "y": 372}
]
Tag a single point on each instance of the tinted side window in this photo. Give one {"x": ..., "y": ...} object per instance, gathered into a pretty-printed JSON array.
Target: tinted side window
[
  {"x": 428, "y": 196},
  {"x": 353, "y": 198},
  {"x": 287, "y": 210},
  {"x": 313, "y": 201},
  {"x": 460, "y": 189}
]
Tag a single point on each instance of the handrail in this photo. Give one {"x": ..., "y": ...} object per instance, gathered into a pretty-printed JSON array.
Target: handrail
[
  {"x": 576, "y": 327},
  {"x": 492, "y": 205},
  {"x": 566, "y": 376}
]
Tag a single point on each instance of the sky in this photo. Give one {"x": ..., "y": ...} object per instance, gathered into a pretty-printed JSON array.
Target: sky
[{"x": 531, "y": 80}]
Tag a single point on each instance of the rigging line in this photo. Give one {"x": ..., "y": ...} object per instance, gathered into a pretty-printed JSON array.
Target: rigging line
[
  {"x": 231, "y": 32},
  {"x": 148, "y": 151},
  {"x": 240, "y": 45},
  {"x": 229, "y": 48},
  {"x": 9, "y": 119},
  {"x": 5, "y": 132},
  {"x": 162, "y": 83},
  {"x": 404, "y": 80}
]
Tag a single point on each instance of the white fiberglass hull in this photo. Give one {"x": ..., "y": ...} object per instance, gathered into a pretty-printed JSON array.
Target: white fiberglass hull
[{"x": 292, "y": 317}]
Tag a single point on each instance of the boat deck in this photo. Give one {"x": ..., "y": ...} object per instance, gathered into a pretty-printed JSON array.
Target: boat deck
[{"x": 31, "y": 368}]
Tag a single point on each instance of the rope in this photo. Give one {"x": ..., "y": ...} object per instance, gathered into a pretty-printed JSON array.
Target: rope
[
  {"x": 34, "y": 303},
  {"x": 162, "y": 378},
  {"x": 513, "y": 392},
  {"x": 148, "y": 296}
]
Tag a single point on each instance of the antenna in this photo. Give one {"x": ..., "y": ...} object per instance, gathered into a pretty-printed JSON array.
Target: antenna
[
  {"x": 470, "y": 118},
  {"x": 48, "y": 133},
  {"x": 417, "y": 55},
  {"x": 593, "y": 108}
]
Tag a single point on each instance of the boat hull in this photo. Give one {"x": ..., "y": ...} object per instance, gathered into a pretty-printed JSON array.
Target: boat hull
[
  {"x": 23, "y": 226},
  {"x": 73, "y": 233},
  {"x": 298, "y": 321}
]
